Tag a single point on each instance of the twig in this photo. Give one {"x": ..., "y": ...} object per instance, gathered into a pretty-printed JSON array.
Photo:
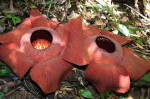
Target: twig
[
  {"x": 138, "y": 13},
  {"x": 8, "y": 84},
  {"x": 56, "y": 93},
  {"x": 142, "y": 52},
  {"x": 148, "y": 92},
  {"x": 11, "y": 5},
  {"x": 48, "y": 9},
  {"x": 30, "y": 87},
  {"x": 140, "y": 46},
  {"x": 9, "y": 93},
  {"x": 3, "y": 81}
]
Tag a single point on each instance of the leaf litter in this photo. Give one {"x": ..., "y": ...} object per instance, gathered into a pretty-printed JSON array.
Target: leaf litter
[{"x": 105, "y": 14}]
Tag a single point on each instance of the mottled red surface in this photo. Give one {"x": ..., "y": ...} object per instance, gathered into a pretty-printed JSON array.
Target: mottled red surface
[
  {"x": 107, "y": 77},
  {"x": 75, "y": 49},
  {"x": 112, "y": 68},
  {"x": 18, "y": 52},
  {"x": 48, "y": 74},
  {"x": 110, "y": 65}
]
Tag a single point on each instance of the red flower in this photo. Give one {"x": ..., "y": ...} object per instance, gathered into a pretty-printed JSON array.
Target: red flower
[
  {"x": 113, "y": 65},
  {"x": 18, "y": 51},
  {"x": 47, "y": 48}
]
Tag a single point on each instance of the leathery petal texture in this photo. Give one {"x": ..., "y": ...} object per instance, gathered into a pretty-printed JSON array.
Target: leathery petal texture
[
  {"x": 110, "y": 65},
  {"x": 75, "y": 49},
  {"x": 47, "y": 68}
]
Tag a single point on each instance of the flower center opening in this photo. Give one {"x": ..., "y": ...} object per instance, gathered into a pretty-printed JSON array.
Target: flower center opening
[
  {"x": 41, "y": 39},
  {"x": 105, "y": 43},
  {"x": 1, "y": 43}
]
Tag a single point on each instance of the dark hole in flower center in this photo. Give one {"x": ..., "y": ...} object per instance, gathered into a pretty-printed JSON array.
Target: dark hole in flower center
[
  {"x": 1, "y": 43},
  {"x": 105, "y": 43},
  {"x": 41, "y": 39}
]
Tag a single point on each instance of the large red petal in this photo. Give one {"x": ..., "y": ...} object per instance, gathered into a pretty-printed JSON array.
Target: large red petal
[
  {"x": 119, "y": 39},
  {"x": 107, "y": 77},
  {"x": 10, "y": 52},
  {"x": 16, "y": 60},
  {"x": 75, "y": 50},
  {"x": 48, "y": 75},
  {"x": 38, "y": 20},
  {"x": 16, "y": 34},
  {"x": 135, "y": 66},
  {"x": 90, "y": 31}
]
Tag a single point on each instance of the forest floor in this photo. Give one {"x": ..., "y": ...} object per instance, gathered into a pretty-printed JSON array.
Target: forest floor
[{"x": 105, "y": 14}]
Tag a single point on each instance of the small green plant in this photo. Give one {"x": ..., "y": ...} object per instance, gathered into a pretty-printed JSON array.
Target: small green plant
[
  {"x": 143, "y": 81},
  {"x": 48, "y": 3},
  {"x": 146, "y": 77},
  {"x": 85, "y": 93},
  {"x": 1, "y": 95},
  {"x": 104, "y": 95},
  {"x": 4, "y": 71},
  {"x": 33, "y": 6},
  {"x": 93, "y": 6},
  {"x": 14, "y": 19},
  {"x": 2, "y": 20},
  {"x": 123, "y": 28}
]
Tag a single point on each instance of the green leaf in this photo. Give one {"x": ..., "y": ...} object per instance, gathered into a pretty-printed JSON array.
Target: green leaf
[
  {"x": 48, "y": 2},
  {"x": 1, "y": 95},
  {"x": 17, "y": 18},
  {"x": 93, "y": 9},
  {"x": 132, "y": 31},
  {"x": 14, "y": 21},
  {"x": 14, "y": 18},
  {"x": 128, "y": 23},
  {"x": 95, "y": 5},
  {"x": 85, "y": 93},
  {"x": 134, "y": 35},
  {"x": 140, "y": 41},
  {"x": 146, "y": 77},
  {"x": 33, "y": 6},
  {"x": 6, "y": 89},
  {"x": 108, "y": 28},
  {"x": 9, "y": 16},
  {"x": 5, "y": 71},
  {"x": 121, "y": 97},
  {"x": 107, "y": 94},
  {"x": 123, "y": 29},
  {"x": 119, "y": 21},
  {"x": 103, "y": 95},
  {"x": 116, "y": 5}
]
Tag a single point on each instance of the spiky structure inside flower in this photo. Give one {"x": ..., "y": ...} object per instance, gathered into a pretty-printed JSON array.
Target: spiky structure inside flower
[{"x": 41, "y": 44}]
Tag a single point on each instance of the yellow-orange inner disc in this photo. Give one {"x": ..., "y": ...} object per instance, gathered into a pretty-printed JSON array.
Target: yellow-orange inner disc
[{"x": 41, "y": 44}]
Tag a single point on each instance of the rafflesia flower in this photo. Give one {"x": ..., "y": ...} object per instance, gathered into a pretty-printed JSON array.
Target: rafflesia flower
[
  {"x": 113, "y": 65},
  {"x": 47, "y": 49},
  {"x": 35, "y": 45}
]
